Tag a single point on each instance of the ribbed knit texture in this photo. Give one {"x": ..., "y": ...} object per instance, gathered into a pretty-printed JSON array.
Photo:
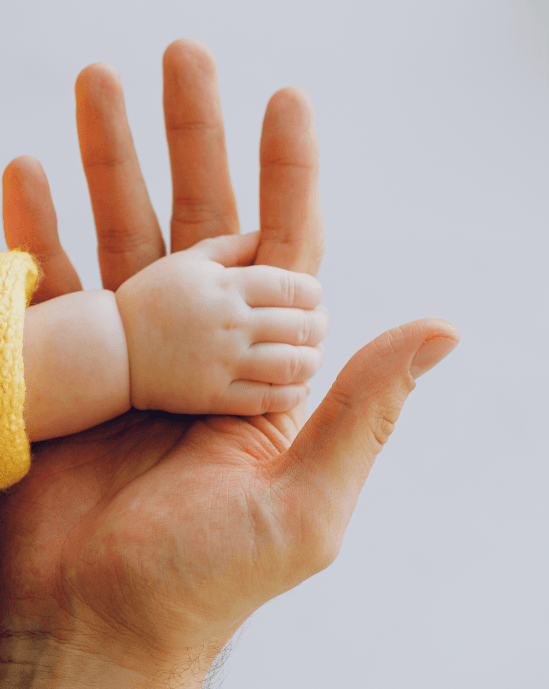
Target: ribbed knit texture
[{"x": 19, "y": 275}]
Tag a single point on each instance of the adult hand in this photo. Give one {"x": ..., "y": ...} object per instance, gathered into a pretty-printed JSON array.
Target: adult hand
[{"x": 139, "y": 547}]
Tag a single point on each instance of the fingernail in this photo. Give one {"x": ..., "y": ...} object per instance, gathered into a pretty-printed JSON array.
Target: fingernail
[{"x": 430, "y": 354}]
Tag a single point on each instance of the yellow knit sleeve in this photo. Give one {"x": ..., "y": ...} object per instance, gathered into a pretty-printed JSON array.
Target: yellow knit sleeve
[{"x": 19, "y": 277}]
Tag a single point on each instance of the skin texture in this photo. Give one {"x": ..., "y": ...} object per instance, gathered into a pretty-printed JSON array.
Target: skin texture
[
  {"x": 206, "y": 337},
  {"x": 193, "y": 333},
  {"x": 76, "y": 364},
  {"x": 150, "y": 539}
]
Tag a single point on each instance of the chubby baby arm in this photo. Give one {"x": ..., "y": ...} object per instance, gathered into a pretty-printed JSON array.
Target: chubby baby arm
[
  {"x": 76, "y": 364},
  {"x": 207, "y": 336}
]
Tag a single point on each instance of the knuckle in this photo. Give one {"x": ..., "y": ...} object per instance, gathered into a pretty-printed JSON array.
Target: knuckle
[
  {"x": 381, "y": 423},
  {"x": 207, "y": 244},
  {"x": 230, "y": 323},
  {"x": 192, "y": 211},
  {"x": 266, "y": 401},
  {"x": 118, "y": 241},
  {"x": 288, "y": 287},
  {"x": 380, "y": 419},
  {"x": 342, "y": 396},
  {"x": 47, "y": 253},
  {"x": 306, "y": 327},
  {"x": 293, "y": 364}
]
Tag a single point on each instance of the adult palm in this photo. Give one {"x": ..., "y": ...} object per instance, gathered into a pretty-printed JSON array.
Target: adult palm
[{"x": 155, "y": 533}]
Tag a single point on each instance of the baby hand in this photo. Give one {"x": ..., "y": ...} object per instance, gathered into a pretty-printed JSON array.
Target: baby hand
[{"x": 206, "y": 336}]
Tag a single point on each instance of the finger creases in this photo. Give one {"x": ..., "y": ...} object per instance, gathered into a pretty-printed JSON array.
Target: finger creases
[
  {"x": 281, "y": 364},
  {"x": 204, "y": 203},
  {"x": 341, "y": 440},
  {"x": 252, "y": 398},
  {"x": 292, "y": 326},
  {"x": 270, "y": 286}
]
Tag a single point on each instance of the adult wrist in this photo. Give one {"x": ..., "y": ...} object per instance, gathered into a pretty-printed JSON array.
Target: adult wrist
[
  {"x": 38, "y": 660},
  {"x": 30, "y": 662}
]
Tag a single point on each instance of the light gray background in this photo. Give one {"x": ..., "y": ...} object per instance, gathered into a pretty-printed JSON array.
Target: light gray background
[{"x": 433, "y": 120}]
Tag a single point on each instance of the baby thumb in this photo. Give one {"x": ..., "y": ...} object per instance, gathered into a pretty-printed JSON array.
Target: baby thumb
[
  {"x": 230, "y": 249},
  {"x": 339, "y": 443}
]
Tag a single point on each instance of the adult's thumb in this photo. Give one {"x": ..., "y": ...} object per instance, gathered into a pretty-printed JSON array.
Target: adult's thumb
[{"x": 336, "y": 448}]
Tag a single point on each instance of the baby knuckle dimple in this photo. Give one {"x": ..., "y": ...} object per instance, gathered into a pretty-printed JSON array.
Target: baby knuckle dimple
[
  {"x": 229, "y": 324},
  {"x": 231, "y": 320},
  {"x": 228, "y": 280}
]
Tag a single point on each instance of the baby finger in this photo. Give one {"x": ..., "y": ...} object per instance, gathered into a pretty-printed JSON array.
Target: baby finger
[
  {"x": 296, "y": 327},
  {"x": 250, "y": 398},
  {"x": 271, "y": 286},
  {"x": 280, "y": 364}
]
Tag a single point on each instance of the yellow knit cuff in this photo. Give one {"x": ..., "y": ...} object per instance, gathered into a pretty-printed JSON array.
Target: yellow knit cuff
[{"x": 19, "y": 277}]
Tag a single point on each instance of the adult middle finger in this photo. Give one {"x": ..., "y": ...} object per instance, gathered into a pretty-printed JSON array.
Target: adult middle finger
[{"x": 204, "y": 204}]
